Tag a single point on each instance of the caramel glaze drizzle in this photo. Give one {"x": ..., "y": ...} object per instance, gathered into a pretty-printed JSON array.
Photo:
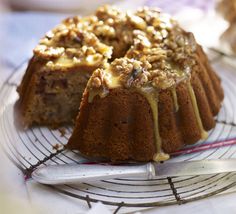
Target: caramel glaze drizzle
[
  {"x": 152, "y": 98},
  {"x": 175, "y": 99},
  {"x": 204, "y": 134}
]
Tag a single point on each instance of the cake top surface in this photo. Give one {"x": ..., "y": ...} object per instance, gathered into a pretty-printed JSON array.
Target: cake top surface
[
  {"x": 160, "y": 53},
  {"x": 144, "y": 48},
  {"x": 67, "y": 45}
]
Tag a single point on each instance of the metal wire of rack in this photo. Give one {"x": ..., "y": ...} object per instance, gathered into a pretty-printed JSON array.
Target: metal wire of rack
[{"x": 35, "y": 147}]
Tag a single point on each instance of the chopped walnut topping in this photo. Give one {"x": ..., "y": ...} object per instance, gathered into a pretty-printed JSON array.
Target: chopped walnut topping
[
  {"x": 72, "y": 44},
  {"x": 131, "y": 72},
  {"x": 72, "y": 21},
  {"x": 136, "y": 74},
  {"x": 48, "y": 52},
  {"x": 122, "y": 66},
  {"x": 141, "y": 80},
  {"x": 104, "y": 30},
  {"x": 148, "y": 14},
  {"x": 149, "y": 47},
  {"x": 136, "y": 21},
  {"x": 100, "y": 78},
  {"x": 96, "y": 82},
  {"x": 107, "y": 12},
  {"x": 140, "y": 40},
  {"x": 161, "y": 81},
  {"x": 155, "y": 54}
]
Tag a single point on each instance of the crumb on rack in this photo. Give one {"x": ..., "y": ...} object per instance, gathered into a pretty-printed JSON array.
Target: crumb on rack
[
  {"x": 56, "y": 147},
  {"x": 62, "y": 130}
]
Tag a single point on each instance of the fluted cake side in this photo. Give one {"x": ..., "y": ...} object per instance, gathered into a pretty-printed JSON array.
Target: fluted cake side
[{"x": 161, "y": 96}]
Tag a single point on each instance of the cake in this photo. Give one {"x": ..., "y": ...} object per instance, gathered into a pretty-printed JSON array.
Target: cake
[
  {"x": 136, "y": 86},
  {"x": 161, "y": 95}
]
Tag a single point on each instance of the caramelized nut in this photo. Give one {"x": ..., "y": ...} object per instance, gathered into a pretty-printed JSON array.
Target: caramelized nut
[
  {"x": 96, "y": 82},
  {"x": 137, "y": 21}
]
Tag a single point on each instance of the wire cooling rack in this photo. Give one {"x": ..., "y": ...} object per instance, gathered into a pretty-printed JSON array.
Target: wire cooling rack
[{"x": 39, "y": 146}]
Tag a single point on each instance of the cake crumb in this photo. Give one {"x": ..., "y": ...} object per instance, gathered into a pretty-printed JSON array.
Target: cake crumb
[
  {"x": 56, "y": 147},
  {"x": 62, "y": 130}
]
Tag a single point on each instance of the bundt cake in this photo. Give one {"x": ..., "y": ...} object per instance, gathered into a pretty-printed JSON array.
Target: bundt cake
[
  {"x": 160, "y": 96},
  {"x": 151, "y": 92}
]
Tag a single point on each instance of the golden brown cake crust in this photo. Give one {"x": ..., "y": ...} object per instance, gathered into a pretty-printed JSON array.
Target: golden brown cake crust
[{"x": 118, "y": 134}]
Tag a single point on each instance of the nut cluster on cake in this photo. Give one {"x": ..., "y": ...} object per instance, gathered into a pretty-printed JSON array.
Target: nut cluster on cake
[{"x": 158, "y": 52}]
